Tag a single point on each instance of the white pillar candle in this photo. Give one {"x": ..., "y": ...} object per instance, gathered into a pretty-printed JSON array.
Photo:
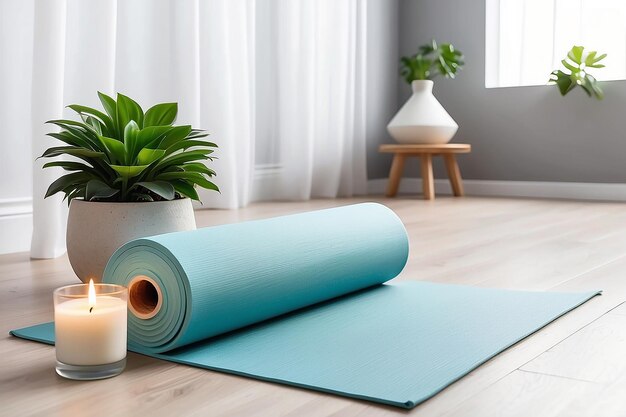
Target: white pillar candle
[{"x": 90, "y": 330}]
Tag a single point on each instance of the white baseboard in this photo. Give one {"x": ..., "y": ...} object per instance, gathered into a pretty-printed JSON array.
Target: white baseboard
[
  {"x": 16, "y": 224},
  {"x": 535, "y": 189},
  {"x": 264, "y": 183}
]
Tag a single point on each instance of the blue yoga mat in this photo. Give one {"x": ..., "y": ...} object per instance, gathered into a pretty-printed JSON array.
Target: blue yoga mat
[{"x": 298, "y": 300}]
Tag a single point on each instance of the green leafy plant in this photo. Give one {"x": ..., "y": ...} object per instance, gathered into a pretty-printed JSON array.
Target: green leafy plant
[
  {"x": 577, "y": 63},
  {"x": 123, "y": 154},
  {"x": 431, "y": 60}
]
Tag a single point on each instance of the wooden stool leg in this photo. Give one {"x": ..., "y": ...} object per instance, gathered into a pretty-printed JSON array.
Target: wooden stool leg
[
  {"x": 428, "y": 186},
  {"x": 454, "y": 174},
  {"x": 395, "y": 175}
]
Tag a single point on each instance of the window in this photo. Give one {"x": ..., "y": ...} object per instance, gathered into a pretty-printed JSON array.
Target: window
[{"x": 526, "y": 39}]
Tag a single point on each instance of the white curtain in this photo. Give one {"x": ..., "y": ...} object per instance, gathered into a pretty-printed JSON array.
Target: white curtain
[
  {"x": 311, "y": 106},
  {"x": 279, "y": 84}
]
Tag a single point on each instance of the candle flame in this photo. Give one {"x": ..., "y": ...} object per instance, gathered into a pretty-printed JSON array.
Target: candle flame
[{"x": 92, "y": 295}]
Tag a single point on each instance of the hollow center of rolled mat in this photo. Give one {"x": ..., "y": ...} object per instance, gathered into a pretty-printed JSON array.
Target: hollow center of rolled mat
[{"x": 144, "y": 297}]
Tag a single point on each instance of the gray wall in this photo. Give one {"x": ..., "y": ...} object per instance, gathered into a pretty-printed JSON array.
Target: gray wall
[
  {"x": 382, "y": 76},
  {"x": 520, "y": 133}
]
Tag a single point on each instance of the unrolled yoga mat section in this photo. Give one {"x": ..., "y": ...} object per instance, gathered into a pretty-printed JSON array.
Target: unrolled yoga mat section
[{"x": 297, "y": 300}]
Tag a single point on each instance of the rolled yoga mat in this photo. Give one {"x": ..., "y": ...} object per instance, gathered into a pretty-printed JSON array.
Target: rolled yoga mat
[
  {"x": 298, "y": 300},
  {"x": 186, "y": 287}
]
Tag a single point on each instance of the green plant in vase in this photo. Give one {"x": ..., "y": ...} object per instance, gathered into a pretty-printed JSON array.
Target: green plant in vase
[
  {"x": 124, "y": 154},
  {"x": 422, "y": 119},
  {"x": 577, "y": 63},
  {"x": 432, "y": 59}
]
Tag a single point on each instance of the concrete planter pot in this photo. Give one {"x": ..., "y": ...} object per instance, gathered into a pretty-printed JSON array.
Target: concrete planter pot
[
  {"x": 422, "y": 119},
  {"x": 95, "y": 230}
]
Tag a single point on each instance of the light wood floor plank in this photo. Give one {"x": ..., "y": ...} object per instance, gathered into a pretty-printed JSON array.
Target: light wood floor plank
[
  {"x": 621, "y": 309},
  {"x": 523, "y": 394},
  {"x": 596, "y": 353}
]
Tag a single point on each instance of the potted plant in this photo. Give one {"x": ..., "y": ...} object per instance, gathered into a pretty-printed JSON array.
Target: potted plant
[
  {"x": 578, "y": 63},
  {"x": 423, "y": 119},
  {"x": 131, "y": 174}
]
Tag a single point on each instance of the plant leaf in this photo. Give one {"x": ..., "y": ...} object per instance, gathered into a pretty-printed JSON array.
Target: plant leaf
[
  {"x": 595, "y": 88},
  {"x": 185, "y": 189},
  {"x": 79, "y": 130},
  {"x": 70, "y": 139},
  {"x": 110, "y": 106},
  {"x": 91, "y": 111},
  {"x": 71, "y": 150},
  {"x": 97, "y": 189},
  {"x": 127, "y": 110},
  {"x": 78, "y": 192},
  {"x": 163, "y": 114},
  {"x": 129, "y": 171},
  {"x": 432, "y": 56},
  {"x": 193, "y": 177},
  {"x": 70, "y": 166},
  {"x": 199, "y": 167},
  {"x": 563, "y": 81},
  {"x": 181, "y": 158},
  {"x": 104, "y": 118},
  {"x": 600, "y": 58},
  {"x": 94, "y": 123},
  {"x": 576, "y": 54},
  {"x": 115, "y": 149},
  {"x": 444, "y": 68},
  {"x": 173, "y": 135},
  {"x": 147, "y": 156},
  {"x": 186, "y": 144},
  {"x": 569, "y": 66},
  {"x": 589, "y": 59},
  {"x": 162, "y": 188},
  {"x": 68, "y": 181},
  {"x": 131, "y": 143},
  {"x": 151, "y": 136},
  {"x": 587, "y": 88},
  {"x": 195, "y": 134}
]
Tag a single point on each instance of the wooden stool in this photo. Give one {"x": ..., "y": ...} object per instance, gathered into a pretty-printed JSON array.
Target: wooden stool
[{"x": 425, "y": 153}]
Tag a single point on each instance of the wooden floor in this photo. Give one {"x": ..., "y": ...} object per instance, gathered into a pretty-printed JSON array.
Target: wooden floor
[{"x": 573, "y": 367}]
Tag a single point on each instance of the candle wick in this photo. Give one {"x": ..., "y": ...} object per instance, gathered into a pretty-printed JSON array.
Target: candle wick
[{"x": 90, "y": 308}]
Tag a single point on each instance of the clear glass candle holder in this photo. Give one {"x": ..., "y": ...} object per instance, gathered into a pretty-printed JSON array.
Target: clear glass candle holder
[{"x": 90, "y": 330}]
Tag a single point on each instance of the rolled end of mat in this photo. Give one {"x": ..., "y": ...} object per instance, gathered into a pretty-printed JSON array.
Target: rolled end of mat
[
  {"x": 157, "y": 294},
  {"x": 145, "y": 297},
  {"x": 189, "y": 286}
]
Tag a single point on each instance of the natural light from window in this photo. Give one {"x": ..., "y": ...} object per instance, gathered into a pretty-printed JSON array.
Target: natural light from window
[{"x": 526, "y": 39}]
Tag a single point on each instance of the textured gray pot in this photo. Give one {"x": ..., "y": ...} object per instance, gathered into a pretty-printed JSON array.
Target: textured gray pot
[{"x": 95, "y": 230}]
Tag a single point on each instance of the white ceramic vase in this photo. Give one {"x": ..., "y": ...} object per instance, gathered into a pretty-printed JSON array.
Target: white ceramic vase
[
  {"x": 96, "y": 229},
  {"x": 422, "y": 119}
]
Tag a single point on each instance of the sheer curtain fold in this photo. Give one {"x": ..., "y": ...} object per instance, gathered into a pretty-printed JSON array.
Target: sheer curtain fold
[
  {"x": 319, "y": 52},
  {"x": 227, "y": 64},
  {"x": 48, "y": 67},
  {"x": 278, "y": 84}
]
